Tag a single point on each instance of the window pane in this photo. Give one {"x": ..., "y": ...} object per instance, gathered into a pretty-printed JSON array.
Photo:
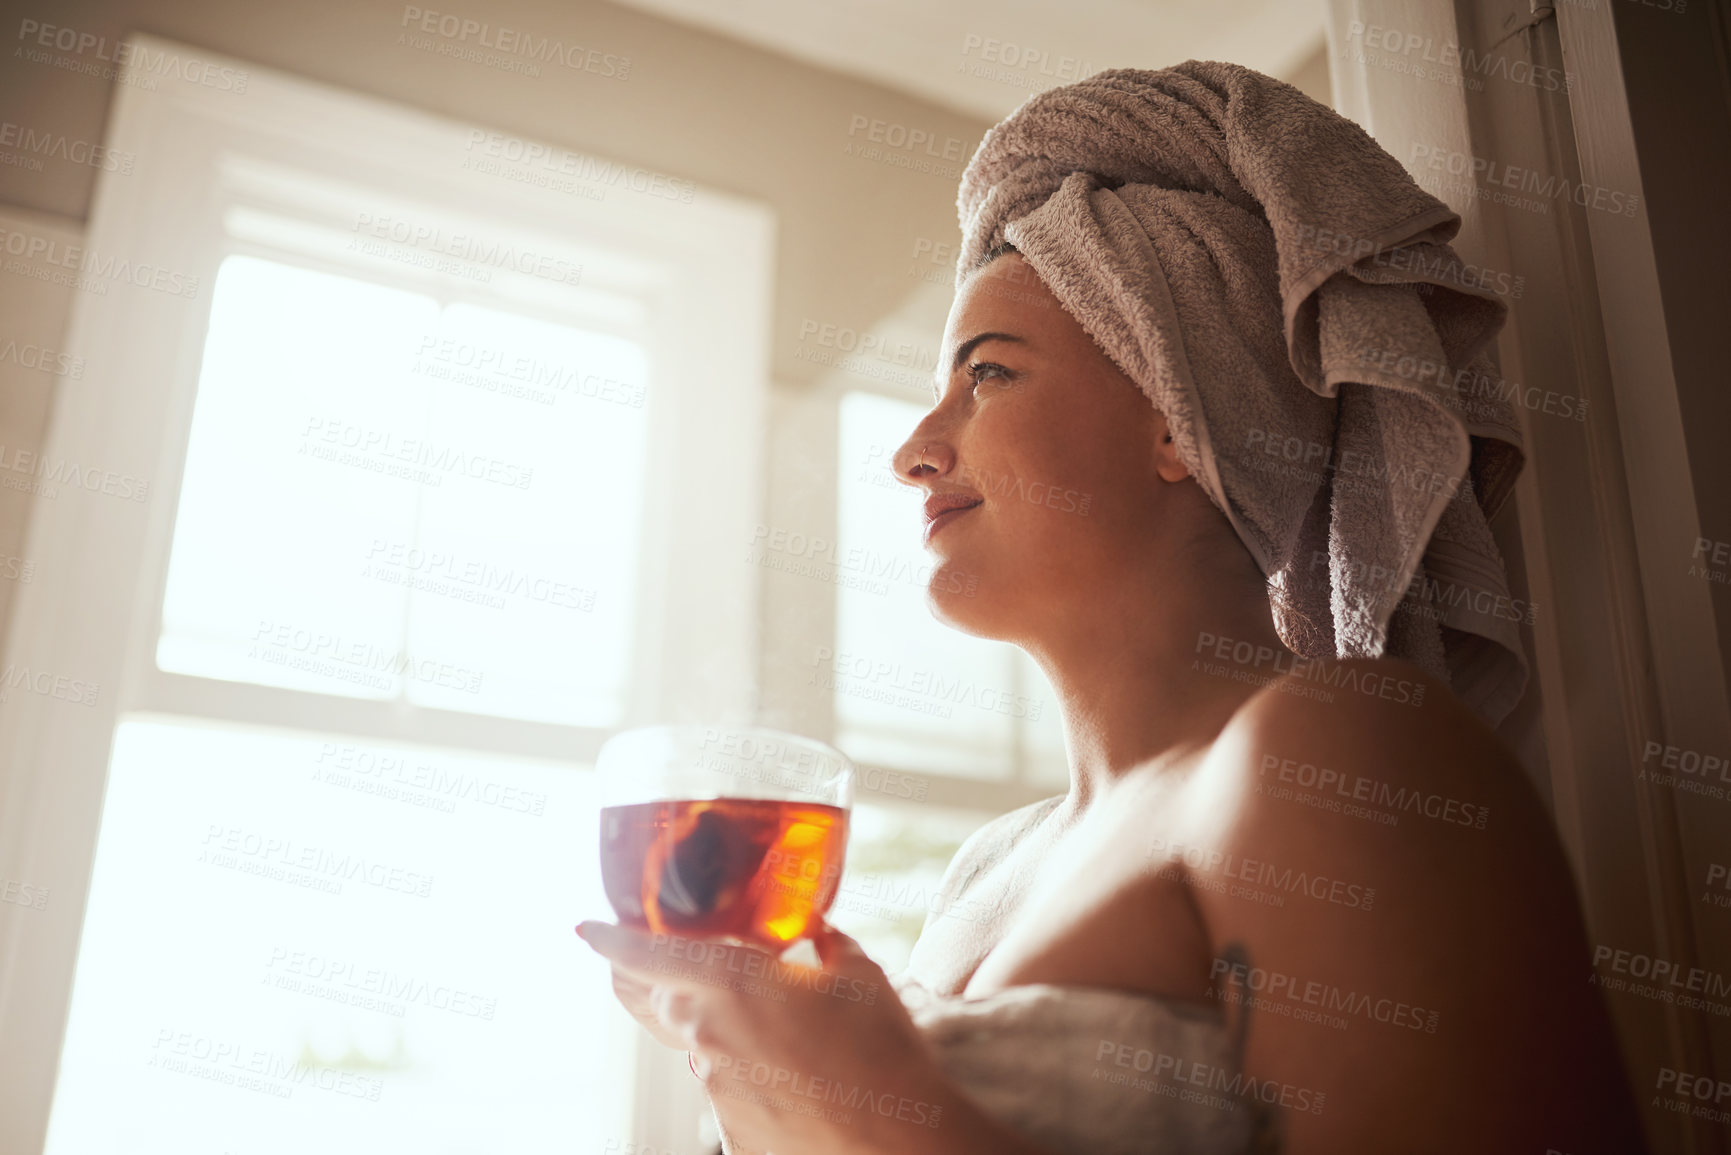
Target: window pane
[
  {"x": 388, "y": 499},
  {"x": 910, "y": 691},
  {"x": 298, "y": 944},
  {"x": 277, "y": 507},
  {"x": 531, "y": 578}
]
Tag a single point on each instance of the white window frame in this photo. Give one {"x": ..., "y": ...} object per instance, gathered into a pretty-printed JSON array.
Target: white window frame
[
  {"x": 987, "y": 796},
  {"x": 94, "y": 611}
]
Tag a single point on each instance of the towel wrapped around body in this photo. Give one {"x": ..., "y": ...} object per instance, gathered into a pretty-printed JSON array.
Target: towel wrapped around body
[{"x": 1284, "y": 292}]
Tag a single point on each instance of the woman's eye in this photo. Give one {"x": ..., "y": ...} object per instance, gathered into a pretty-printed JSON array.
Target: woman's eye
[{"x": 986, "y": 370}]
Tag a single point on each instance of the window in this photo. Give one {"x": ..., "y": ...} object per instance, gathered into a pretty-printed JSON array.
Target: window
[
  {"x": 363, "y": 514},
  {"x": 359, "y": 516},
  {"x": 407, "y": 533},
  {"x": 911, "y": 692},
  {"x": 339, "y": 946},
  {"x": 949, "y": 729}
]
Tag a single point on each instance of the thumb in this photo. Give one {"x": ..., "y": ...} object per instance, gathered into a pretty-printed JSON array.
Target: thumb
[{"x": 836, "y": 949}]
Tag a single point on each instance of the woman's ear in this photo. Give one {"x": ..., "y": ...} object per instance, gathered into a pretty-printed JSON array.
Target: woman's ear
[{"x": 1167, "y": 463}]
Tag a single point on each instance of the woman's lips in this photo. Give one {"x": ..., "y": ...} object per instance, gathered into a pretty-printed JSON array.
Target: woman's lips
[{"x": 944, "y": 519}]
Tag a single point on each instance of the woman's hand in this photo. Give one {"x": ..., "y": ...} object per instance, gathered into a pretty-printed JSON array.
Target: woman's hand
[
  {"x": 636, "y": 996},
  {"x": 794, "y": 1058}
]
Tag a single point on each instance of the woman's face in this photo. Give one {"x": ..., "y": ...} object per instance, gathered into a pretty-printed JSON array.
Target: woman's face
[{"x": 1060, "y": 453}]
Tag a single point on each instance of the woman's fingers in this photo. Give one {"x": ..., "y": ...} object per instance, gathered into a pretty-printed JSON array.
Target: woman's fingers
[
  {"x": 835, "y": 948},
  {"x": 632, "y": 952},
  {"x": 623, "y": 945},
  {"x": 842, "y": 954},
  {"x": 663, "y": 960},
  {"x": 676, "y": 1009}
]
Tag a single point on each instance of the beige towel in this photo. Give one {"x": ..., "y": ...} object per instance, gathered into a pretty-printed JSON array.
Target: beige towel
[
  {"x": 1283, "y": 292},
  {"x": 1101, "y": 1071}
]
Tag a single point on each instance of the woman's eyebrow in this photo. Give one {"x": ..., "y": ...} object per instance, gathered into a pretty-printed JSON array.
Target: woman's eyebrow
[{"x": 968, "y": 346}]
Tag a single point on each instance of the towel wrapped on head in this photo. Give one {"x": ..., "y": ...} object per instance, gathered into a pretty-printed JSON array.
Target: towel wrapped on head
[{"x": 1284, "y": 292}]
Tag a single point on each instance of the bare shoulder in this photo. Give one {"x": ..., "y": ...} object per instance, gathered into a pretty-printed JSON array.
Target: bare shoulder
[
  {"x": 1391, "y": 726},
  {"x": 1374, "y": 769},
  {"x": 1365, "y": 831}
]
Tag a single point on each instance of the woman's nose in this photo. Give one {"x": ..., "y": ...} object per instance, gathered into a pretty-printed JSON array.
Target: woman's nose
[{"x": 920, "y": 456}]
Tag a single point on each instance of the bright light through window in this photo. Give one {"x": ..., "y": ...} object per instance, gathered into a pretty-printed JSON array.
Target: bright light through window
[
  {"x": 386, "y": 497},
  {"x": 910, "y": 691},
  {"x": 299, "y": 943}
]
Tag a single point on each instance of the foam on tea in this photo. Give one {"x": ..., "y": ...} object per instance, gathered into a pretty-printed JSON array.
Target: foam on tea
[{"x": 751, "y": 868}]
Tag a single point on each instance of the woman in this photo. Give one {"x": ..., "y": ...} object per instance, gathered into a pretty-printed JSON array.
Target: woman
[{"x": 1308, "y": 906}]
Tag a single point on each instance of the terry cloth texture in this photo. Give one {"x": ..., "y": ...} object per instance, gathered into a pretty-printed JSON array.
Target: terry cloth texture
[{"x": 1284, "y": 292}]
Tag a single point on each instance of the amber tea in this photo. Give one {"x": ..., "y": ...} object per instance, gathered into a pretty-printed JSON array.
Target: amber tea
[{"x": 752, "y": 868}]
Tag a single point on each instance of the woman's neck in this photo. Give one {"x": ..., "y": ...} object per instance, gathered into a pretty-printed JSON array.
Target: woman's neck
[{"x": 1146, "y": 676}]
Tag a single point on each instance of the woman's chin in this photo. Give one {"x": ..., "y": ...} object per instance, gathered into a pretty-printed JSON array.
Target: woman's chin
[{"x": 957, "y": 605}]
